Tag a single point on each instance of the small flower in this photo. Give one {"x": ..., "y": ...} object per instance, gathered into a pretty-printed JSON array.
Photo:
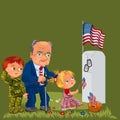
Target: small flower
[
  {"x": 82, "y": 113},
  {"x": 57, "y": 101},
  {"x": 50, "y": 112},
  {"x": 62, "y": 113},
  {"x": 53, "y": 107}
]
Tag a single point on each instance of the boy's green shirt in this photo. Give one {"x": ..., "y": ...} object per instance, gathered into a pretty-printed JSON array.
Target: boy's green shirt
[{"x": 16, "y": 86}]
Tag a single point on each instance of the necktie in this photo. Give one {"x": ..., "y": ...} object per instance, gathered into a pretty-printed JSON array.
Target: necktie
[{"x": 41, "y": 68}]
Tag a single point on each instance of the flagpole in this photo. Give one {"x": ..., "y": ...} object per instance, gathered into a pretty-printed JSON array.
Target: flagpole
[
  {"x": 82, "y": 37},
  {"x": 82, "y": 52},
  {"x": 82, "y": 47}
]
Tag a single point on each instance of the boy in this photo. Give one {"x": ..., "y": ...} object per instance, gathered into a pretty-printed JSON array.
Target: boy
[{"x": 12, "y": 70}]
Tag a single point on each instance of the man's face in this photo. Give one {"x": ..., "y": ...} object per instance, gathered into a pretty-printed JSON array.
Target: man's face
[
  {"x": 14, "y": 70},
  {"x": 41, "y": 53}
]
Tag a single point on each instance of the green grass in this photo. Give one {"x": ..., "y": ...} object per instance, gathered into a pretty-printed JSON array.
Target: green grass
[{"x": 105, "y": 113}]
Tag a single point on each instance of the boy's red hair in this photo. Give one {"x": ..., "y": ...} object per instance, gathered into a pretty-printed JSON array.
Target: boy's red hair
[{"x": 12, "y": 59}]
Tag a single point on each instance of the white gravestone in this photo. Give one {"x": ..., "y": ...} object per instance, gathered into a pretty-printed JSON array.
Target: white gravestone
[{"x": 93, "y": 71}]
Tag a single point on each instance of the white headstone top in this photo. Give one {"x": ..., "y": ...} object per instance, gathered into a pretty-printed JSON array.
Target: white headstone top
[{"x": 93, "y": 71}]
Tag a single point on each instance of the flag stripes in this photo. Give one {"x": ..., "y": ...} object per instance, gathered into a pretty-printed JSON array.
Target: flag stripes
[{"x": 92, "y": 35}]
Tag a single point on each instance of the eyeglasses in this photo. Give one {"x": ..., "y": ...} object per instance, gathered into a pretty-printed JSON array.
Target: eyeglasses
[{"x": 88, "y": 65}]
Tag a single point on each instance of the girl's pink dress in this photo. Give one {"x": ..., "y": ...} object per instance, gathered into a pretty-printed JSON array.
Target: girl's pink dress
[{"x": 68, "y": 102}]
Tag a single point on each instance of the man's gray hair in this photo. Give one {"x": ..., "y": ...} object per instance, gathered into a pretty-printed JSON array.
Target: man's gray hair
[
  {"x": 50, "y": 44},
  {"x": 32, "y": 44},
  {"x": 35, "y": 41}
]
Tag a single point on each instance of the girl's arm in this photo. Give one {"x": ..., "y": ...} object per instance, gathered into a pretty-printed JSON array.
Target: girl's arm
[{"x": 74, "y": 92}]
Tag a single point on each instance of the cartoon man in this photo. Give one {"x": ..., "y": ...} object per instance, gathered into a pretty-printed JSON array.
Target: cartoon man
[{"x": 36, "y": 74}]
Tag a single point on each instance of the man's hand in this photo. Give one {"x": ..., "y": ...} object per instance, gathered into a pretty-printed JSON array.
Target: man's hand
[{"x": 41, "y": 79}]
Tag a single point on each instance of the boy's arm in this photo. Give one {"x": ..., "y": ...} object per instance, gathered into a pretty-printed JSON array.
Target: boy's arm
[
  {"x": 6, "y": 78},
  {"x": 23, "y": 88}
]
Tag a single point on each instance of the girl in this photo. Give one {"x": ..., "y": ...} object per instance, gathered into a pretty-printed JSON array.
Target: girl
[
  {"x": 12, "y": 70},
  {"x": 65, "y": 80}
]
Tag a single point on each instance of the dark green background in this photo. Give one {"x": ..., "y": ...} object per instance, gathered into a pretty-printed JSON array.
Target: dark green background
[{"x": 60, "y": 21}]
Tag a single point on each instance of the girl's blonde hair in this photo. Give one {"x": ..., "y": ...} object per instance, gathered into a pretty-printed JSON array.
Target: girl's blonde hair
[{"x": 59, "y": 79}]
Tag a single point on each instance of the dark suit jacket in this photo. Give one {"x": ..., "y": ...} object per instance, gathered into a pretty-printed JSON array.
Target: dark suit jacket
[{"x": 29, "y": 76}]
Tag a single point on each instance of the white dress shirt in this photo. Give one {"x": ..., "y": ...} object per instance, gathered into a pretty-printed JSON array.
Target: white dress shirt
[{"x": 38, "y": 71}]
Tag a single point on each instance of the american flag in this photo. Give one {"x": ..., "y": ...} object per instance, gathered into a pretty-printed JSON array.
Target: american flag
[{"x": 92, "y": 35}]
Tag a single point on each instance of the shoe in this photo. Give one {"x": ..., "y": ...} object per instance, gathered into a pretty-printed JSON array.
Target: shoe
[
  {"x": 47, "y": 108},
  {"x": 21, "y": 110},
  {"x": 11, "y": 110},
  {"x": 14, "y": 111},
  {"x": 31, "y": 109}
]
